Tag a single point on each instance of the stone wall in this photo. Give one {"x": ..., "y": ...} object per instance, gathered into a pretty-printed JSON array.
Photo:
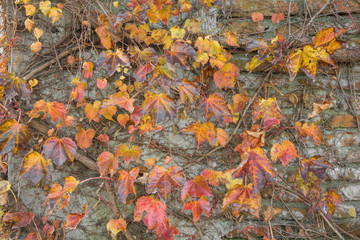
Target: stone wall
[{"x": 339, "y": 124}]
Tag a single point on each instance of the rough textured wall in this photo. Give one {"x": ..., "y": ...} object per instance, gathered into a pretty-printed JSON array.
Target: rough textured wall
[{"x": 339, "y": 123}]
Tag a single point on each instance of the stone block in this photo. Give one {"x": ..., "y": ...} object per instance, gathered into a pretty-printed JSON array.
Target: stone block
[
  {"x": 342, "y": 121},
  {"x": 244, "y": 8},
  {"x": 344, "y": 173},
  {"x": 335, "y": 6},
  {"x": 241, "y": 27},
  {"x": 351, "y": 192}
]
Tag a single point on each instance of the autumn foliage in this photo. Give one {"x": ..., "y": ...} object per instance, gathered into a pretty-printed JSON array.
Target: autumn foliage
[{"x": 147, "y": 97}]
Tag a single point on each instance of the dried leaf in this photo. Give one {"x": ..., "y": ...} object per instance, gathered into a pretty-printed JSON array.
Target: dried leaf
[
  {"x": 35, "y": 167},
  {"x": 318, "y": 108},
  {"x": 107, "y": 161},
  {"x": 59, "y": 150},
  {"x": 195, "y": 188},
  {"x": 285, "y": 152},
  {"x": 313, "y": 131},
  {"x": 72, "y": 220},
  {"x": 13, "y": 136}
]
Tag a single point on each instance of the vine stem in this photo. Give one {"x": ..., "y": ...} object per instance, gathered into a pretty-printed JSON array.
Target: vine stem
[{"x": 93, "y": 178}]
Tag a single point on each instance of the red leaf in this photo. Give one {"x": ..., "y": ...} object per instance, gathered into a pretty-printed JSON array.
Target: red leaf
[
  {"x": 59, "y": 150},
  {"x": 258, "y": 167},
  {"x": 73, "y": 219},
  {"x": 215, "y": 104},
  {"x": 277, "y": 17},
  {"x": 160, "y": 106},
  {"x": 112, "y": 60},
  {"x": 197, "y": 207},
  {"x": 18, "y": 219},
  {"x": 214, "y": 177},
  {"x": 195, "y": 188},
  {"x": 88, "y": 69},
  {"x": 121, "y": 99},
  {"x": 107, "y": 161},
  {"x": 32, "y": 236},
  {"x": 285, "y": 152},
  {"x": 178, "y": 54},
  {"x": 162, "y": 180},
  {"x": 101, "y": 83},
  {"x": 268, "y": 110},
  {"x": 257, "y": 17},
  {"x": 35, "y": 167},
  {"x": 225, "y": 78},
  {"x": 125, "y": 184},
  {"x": 243, "y": 198},
  {"x": 142, "y": 71},
  {"x": 155, "y": 212}
]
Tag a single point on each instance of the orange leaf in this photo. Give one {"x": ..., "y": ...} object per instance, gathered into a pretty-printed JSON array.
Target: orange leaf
[
  {"x": 126, "y": 152},
  {"x": 318, "y": 108},
  {"x": 84, "y": 138},
  {"x": 326, "y": 35},
  {"x": 243, "y": 198},
  {"x": 155, "y": 211},
  {"x": 105, "y": 37},
  {"x": 180, "y": 51},
  {"x": 35, "y": 167},
  {"x": 277, "y": 17},
  {"x": 88, "y": 69},
  {"x": 91, "y": 111},
  {"x": 159, "y": 105},
  {"x": 36, "y": 47},
  {"x": 268, "y": 110},
  {"x": 122, "y": 119},
  {"x": 188, "y": 90},
  {"x": 285, "y": 152},
  {"x": 195, "y": 188},
  {"x": 197, "y": 207},
  {"x": 216, "y": 104},
  {"x": 203, "y": 133},
  {"x": 225, "y": 78},
  {"x": 258, "y": 167},
  {"x": 112, "y": 60},
  {"x": 13, "y": 136},
  {"x": 72, "y": 220},
  {"x": 214, "y": 177},
  {"x": 330, "y": 201},
  {"x": 257, "y": 17},
  {"x": 14, "y": 86},
  {"x": 231, "y": 39},
  {"x": 55, "y": 14},
  {"x": 114, "y": 226},
  {"x": 32, "y": 236},
  {"x": 125, "y": 184},
  {"x": 59, "y": 150},
  {"x": 107, "y": 161},
  {"x": 163, "y": 181},
  {"x": 271, "y": 212},
  {"x": 313, "y": 131},
  {"x": 121, "y": 99},
  {"x": 293, "y": 63},
  {"x": 222, "y": 137},
  {"x": 18, "y": 219}
]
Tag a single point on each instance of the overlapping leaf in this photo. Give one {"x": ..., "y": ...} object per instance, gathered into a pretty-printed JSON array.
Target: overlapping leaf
[
  {"x": 203, "y": 132},
  {"x": 313, "y": 131},
  {"x": 155, "y": 212},
  {"x": 121, "y": 99},
  {"x": 225, "y": 78},
  {"x": 269, "y": 111},
  {"x": 258, "y": 167},
  {"x": 159, "y": 105},
  {"x": 112, "y": 60},
  {"x": 188, "y": 90},
  {"x": 14, "y": 86},
  {"x": 72, "y": 220},
  {"x": 179, "y": 53},
  {"x": 197, "y": 207},
  {"x": 127, "y": 153},
  {"x": 13, "y": 136},
  {"x": 243, "y": 198},
  {"x": 164, "y": 181},
  {"x": 107, "y": 162},
  {"x": 18, "y": 219},
  {"x": 195, "y": 188},
  {"x": 59, "y": 150},
  {"x": 114, "y": 226},
  {"x": 285, "y": 152},
  {"x": 316, "y": 165},
  {"x": 330, "y": 201},
  {"x": 35, "y": 167},
  {"x": 215, "y": 104}
]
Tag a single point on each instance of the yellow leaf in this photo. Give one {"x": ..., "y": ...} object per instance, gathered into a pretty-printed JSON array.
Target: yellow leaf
[
  {"x": 116, "y": 4},
  {"x": 38, "y": 33},
  {"x": 55, "y": 14},
  {"x": 33, "y": 82},
  {"x": 177, "y": 32},
  {"x": 30, "y": 9},
  {"x": 45, "y": 6},
  {"x": 29, "y": 24}
]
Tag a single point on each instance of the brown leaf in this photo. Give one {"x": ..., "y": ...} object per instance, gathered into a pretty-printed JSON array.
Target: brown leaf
[
  {"x": 318, "y": 108},
  {"x": 271, "y": 212}
]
